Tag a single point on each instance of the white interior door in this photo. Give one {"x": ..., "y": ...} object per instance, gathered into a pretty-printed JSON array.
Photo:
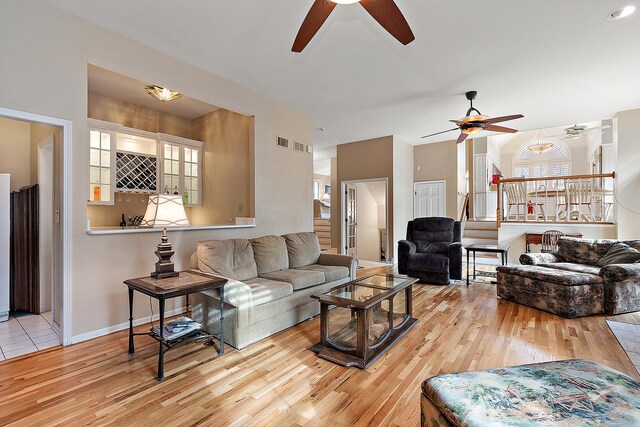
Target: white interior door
[
  {"x": 429, "y": 199},
  {"x": 351, "y": 226}
]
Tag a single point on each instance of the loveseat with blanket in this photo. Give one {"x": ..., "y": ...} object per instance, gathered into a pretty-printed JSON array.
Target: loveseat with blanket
[
  {"x": 271, "y": 280},
  {"x": 582, "y": 278}
]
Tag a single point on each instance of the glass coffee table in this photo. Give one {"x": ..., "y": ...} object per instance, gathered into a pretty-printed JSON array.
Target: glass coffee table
[{"x": 362, "y": 319}]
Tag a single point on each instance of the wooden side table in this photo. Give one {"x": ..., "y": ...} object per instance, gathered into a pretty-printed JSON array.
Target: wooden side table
[{"x": 188, "y": 282}]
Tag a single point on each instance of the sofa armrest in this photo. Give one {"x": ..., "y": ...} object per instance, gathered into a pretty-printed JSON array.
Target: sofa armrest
[
  {"x": 193, "y": 261},
  {"x": 405, "y": 248},
  {"x": 539, "y": 258},
  {"x": 620, "y": 272},
  {"x": 621, "y": 288},
  {"x": 340, "y": 260},
  {"x": 454, "y": 252},
  {"x": 236, "y": 294}
]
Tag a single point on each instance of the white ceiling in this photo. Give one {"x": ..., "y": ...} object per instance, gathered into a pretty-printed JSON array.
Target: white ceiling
[{"x": 556, "y": 62}]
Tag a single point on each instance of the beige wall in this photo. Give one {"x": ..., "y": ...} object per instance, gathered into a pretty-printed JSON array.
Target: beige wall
[
  {"x": 226, "y": 165},
  {"x": 66, "y": 44},
  {"x": 439, "y": 161},
  {"x": 136, "y": 117},
  {"x": 626, "y": 131},
  {"x": 360, "y": 160},
  {"x": 15, "y": 146}
]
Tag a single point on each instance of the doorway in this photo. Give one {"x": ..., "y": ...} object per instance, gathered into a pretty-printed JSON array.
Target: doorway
[
  {"x": 48, "y": 140},
  {"x": 364, "y": 207},
  {"x": 46, "y": 180},
  {"x": 429, "y": 199}
]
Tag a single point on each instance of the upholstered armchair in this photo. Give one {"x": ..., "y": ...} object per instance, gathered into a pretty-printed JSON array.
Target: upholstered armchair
[{"x": 432, "y": 251}]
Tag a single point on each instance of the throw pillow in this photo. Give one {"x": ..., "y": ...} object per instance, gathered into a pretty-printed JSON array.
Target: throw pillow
[{"x": 620, "y": 253}]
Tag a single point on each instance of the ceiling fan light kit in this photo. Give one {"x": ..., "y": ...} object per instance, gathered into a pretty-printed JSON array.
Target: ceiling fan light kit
[
  {"x": 385, "y": 12},
  {"x": 472, "y": 124}
]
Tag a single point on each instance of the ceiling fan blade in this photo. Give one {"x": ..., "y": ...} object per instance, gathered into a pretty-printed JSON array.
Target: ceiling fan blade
[
  {"x": 387, "y": 13},
  {"x": 319, "y": 12},
  {"x": 444, "y": 131},
  {"x": 503, "y": 118},
  {"x": 457, "y": 122},
  {"x": 462, "y": 137},
  {"x": 495, "y": 128}
]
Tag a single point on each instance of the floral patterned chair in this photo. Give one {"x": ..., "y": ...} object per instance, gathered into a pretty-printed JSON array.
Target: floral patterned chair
[{"x": 560, "y": 393}]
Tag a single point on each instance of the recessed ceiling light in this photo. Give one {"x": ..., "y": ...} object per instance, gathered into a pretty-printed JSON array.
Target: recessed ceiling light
[{"x": 621, "y": 13}]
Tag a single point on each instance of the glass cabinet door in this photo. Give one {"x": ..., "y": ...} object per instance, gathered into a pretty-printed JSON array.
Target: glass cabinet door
[
  {"x": 191, "y": 193},
  {"x": 100, "y": 167},
  {"x": 171, "y": 169}
]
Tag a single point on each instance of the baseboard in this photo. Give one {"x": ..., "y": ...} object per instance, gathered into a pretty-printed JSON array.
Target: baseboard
[
  {"x": 4, "y": 316},
  {"x": 121, "y": 326}
]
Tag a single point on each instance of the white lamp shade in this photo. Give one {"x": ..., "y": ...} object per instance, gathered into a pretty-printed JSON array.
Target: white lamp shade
[{"x": 165, "y": 210}]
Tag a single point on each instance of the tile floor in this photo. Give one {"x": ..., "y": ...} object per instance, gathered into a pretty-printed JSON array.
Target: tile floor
[
  {"x": 25, "y": 333},
  {"x": 628, "y": 336}
]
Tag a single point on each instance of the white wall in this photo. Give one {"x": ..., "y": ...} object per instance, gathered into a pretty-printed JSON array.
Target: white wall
[
  {"x": 402, "y": 189},
  {"x": 49, "y": 51},
  {"x": 626, "y": 137},
  {"x": 368, "y": 238},
  {"x": 15, "y": 146}
]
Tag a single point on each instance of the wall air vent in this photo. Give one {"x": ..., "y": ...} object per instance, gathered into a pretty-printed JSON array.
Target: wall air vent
[
  {"x": 297, "y": 146},
  {"x": 282, "y": 142}
]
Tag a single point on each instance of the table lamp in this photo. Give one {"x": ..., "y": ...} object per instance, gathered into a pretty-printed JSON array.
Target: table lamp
[{"x": 165, "y": 210}]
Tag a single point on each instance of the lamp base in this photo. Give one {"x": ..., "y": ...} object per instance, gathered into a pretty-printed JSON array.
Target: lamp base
[
  {"x": 164, "y": 266},
  {"x": 158, "y": 275}
]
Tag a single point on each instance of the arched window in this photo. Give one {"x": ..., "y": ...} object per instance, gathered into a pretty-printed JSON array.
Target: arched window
[{"x": 542, "y": 157}]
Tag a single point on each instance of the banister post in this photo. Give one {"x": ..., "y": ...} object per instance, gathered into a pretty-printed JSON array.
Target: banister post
[{"x": 499, "y": 207}]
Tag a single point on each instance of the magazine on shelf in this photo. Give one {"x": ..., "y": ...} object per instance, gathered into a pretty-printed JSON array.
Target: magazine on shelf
[{"x": 178, "y": 328}]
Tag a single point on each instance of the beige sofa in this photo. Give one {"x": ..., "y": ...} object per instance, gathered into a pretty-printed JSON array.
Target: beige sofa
[{"x": 271, "y": 280}]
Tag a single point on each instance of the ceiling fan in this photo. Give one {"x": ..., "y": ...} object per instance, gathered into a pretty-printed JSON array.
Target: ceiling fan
[
  {"x": 386, "y": 12},
  {"x": 471, "y": 124},
  {"x": 578, "y": 131}
]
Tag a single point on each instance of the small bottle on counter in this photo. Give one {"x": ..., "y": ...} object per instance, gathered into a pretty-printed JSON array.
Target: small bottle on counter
[
  {"x": 175, "y": 190},
  {"x": 130, "y": 221},
  {"x": 123, "y": 223},
  {"x": 96, "y": 193},
  {"x": 185, "y": 196}
]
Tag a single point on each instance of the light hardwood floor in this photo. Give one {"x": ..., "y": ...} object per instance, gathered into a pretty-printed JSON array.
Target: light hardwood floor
[{"x": 280, "y": 382}]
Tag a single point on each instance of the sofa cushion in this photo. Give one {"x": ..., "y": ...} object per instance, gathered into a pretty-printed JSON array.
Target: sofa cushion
[
  {"x": 302, "y": 248},
  {"x": 331, "y": 272},
  {"x": 569, "y": 266},
  {"x": 300, "y": 279},
  {"x": 265, "y": 290},
  {"x": 232, "y": 258},
  {"x": 428, "y": 262},
  {"x": 270, "y": 254},
  {"x": 620, "y": 253},
  {"x": 553, "y": 275}
]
